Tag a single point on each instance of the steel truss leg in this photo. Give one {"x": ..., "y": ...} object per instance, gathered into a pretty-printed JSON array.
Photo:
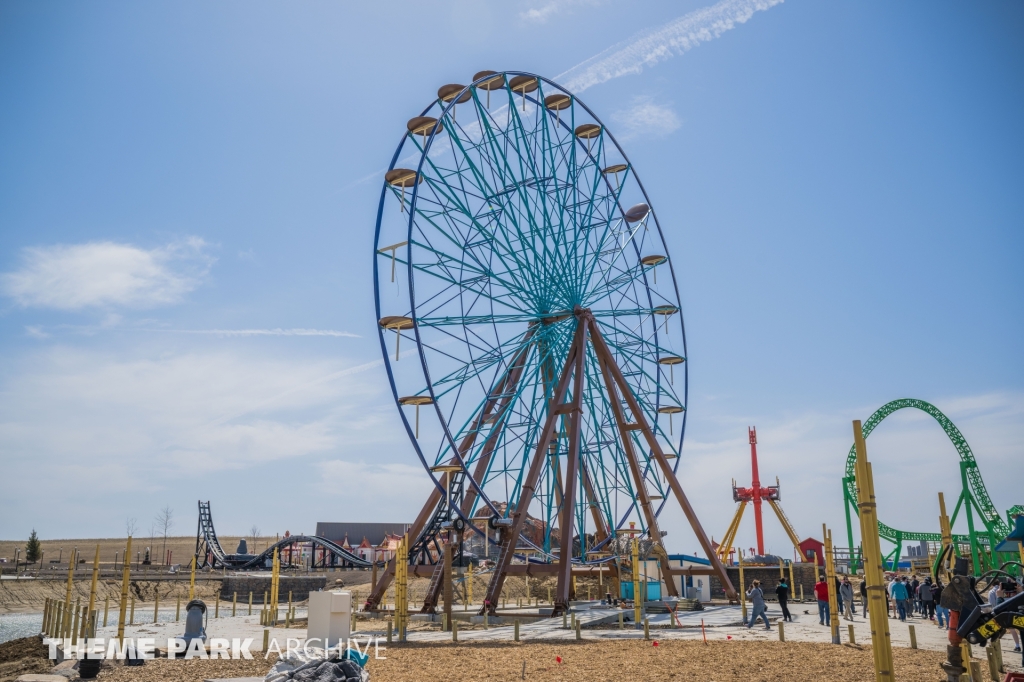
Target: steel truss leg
[
  {"x": 653, "y": 530},
  {"x": 505, "y": 393},
  {"x": 567, "y": 522},
  {"x": 498, "y": 396},
  {"x": 602, "y": 350},
  {"x": 510, "y": 538}
]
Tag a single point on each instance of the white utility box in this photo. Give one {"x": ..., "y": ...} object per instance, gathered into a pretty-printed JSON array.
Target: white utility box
[{"x": 330, "y": 619}]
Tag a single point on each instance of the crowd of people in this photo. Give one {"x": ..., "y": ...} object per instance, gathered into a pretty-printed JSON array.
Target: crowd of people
[{"x": 906, "y": 597}]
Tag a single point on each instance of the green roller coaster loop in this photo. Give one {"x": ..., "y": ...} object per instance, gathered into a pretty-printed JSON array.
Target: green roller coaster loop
[{"x": 973, "y": 498}]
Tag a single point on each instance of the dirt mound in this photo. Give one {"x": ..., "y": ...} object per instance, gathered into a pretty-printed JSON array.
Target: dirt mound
[{"x": 21, "y": 656}]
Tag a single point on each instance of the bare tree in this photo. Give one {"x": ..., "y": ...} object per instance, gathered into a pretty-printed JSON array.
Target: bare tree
[
  {"x": 164, "y": 522},
  {"x": 254, "y": 532},
  {"x": 130, "y": 526}
]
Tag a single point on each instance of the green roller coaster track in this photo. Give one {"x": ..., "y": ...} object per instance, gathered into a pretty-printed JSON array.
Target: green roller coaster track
[{"x": 973, "y": 498}]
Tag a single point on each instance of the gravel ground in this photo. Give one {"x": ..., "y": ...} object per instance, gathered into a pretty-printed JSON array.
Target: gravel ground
[{"x": 638, "y": 660}]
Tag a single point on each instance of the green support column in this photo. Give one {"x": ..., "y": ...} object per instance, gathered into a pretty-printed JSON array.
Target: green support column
[
  {"x": 899, "y": 550},
  {"x": 849, "y": 524},
  {"x": 966, "y": 498}
]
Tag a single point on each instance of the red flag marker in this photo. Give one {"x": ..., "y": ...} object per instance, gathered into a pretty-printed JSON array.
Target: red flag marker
[{"x": 558, "y": 659}]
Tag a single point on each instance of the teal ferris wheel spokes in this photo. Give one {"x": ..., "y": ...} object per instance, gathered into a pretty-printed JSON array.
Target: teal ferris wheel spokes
[{"x": 508, "y": 212}]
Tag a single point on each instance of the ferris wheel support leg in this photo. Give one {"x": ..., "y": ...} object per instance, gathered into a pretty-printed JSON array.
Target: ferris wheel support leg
[
  {"x": 511, "y": 537},
  {"x": 500, "y": 397},
  {"x": 602, "y": 350},
  {"x": 605, "y": 361},
  {"x": 567, "y": 522}
]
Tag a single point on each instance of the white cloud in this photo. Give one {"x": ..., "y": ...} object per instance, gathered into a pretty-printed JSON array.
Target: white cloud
[
  {"x": 545, "y": 11},
  {"x": 127, "y": 425},
  {"x": 105, "y": 274},
  {"x": 646, "y": 118},
  {"x": 36, "y": 332},
  {"x": 651, "y": 46}
]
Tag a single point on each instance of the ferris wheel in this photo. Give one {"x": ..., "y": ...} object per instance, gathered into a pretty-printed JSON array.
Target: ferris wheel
[{"x": 531, "y": 326}]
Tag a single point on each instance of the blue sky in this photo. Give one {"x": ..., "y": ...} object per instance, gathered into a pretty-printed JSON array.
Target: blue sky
[{"x": 187, "y": 199}]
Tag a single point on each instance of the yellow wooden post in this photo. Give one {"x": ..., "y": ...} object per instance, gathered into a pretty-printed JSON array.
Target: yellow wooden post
[
  {"x": 402, "y": 587},
  {"x": 250, "y": 602},
  {"x": 95, "y": 580},
  {"x": 234, "y": 603},
  {"x": 881, "y": 643},
  {"x": 792, "y": 583},
  {"x": 66, "y": 625},
  {"x": 850, "y": 635},
  {"x": 156, "y": 608},
  {"x": 125, "y": 575},
  {"x": 638, "y": 597},
  {"x": 830, "y": 579},
  {"x": 275, "y": 586},
  {"x": 74, "y": 626},
  {"x": 106, "y": 608},
  {"x": 743, "y": 586},
  {"x": 216, "y": 605},
  {"x": 192, "y": 579},
  {"x": 947, "y": 537}
]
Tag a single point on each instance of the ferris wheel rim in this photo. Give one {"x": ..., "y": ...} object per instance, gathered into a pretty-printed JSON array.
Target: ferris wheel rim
[{"x": 424, "y": 363}]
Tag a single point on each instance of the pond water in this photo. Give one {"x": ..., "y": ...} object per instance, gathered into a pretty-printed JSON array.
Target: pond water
[{"x": 15, "y": 625}]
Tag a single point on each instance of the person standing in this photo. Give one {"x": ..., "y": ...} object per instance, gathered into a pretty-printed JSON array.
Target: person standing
[
  {"x": 864, "y": 596},
  {"x": 927, "y": 599},
  {"x": 759, "y": 607},
  {"x": 839, "y": 596},
  {"x": 782, "y": 592},
  {"x": 821, "y": 593},
  {"x": 941, "y": 612},
  {"x": 899, "y": 596},
  {"x": 846, "y": 592}
]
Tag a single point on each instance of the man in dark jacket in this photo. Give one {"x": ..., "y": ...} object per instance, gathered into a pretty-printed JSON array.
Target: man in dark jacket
[
  {"x": 864, "y": 596},
  {"x": 782, "y": 592},
  {"x": 924, "y": 593}
]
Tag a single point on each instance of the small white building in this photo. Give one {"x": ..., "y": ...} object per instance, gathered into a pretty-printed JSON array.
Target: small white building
[{"x": 697, "y": 586}]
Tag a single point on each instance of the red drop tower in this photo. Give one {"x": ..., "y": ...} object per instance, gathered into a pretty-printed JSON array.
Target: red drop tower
[{"x": 755, "y": 493}]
